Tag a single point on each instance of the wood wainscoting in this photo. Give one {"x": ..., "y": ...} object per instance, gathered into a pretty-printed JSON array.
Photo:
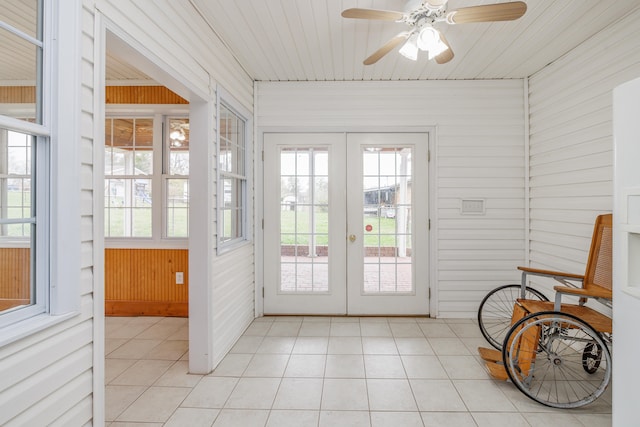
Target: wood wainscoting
[
  {"x": 113, "y": 94},
  {"x": 15, "y": 289},
  {"x": 142, "y": 282}
]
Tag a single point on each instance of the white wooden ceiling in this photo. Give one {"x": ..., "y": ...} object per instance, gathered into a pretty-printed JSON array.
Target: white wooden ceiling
[{"x": 308, "y": 40}]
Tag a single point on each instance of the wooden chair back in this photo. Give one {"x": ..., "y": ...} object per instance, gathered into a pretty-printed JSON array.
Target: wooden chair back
[{"x": 598, "y": 276}]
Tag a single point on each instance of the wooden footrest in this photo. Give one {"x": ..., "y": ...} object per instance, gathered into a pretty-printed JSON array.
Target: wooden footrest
[
  {"x": 490, "y": 354},
  {"x": 497, "y": 371},
  {"x": 493, "y": 362}
]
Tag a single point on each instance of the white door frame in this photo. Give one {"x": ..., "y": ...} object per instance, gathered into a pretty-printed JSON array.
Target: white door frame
[
  {"x": 432, "y": 130},
  {"x": 201, "y": 114}
]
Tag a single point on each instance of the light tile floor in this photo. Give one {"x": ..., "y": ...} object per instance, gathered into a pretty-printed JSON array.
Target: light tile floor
[{"x": 319, "y": 371}]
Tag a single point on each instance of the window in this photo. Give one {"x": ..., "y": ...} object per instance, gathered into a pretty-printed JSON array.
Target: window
[
  {"x": 176, "y": 179},
  {"x": 232, "y": 178},
  {"x": 24, "y": 167},
  {"x": 142, "y": 168},
  {"x": 128, "y": 171}
]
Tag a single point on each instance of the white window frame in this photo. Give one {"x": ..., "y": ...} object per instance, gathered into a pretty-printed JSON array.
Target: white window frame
[
  {"x": 232, "y": 104},
  {"x": 160, "y": 114},
  {"x": 40, "y": 242},
  {"x": 58, "y": 247}
]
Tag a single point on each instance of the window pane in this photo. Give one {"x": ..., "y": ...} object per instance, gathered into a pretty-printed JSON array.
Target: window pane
[
  {"x": 129, "y": 147},
  {"x": 240, "y": 158},
  {"x": 224, "y": 155},
  {"x": 21, "y": 97},
  {"x": 15, "y": 183},
  {"x": 128, "y": 200},
  {"x": 17, "y": 219},
  {"x": 232, "y": 143},
  {"x": 20, "y": 100},
  {"x": 231, "y": 167},
  {"x": 22, "y": 15},
  {"x": 232, "y": 227},
  {"x": 177, "y": 191},
  {"x": 128, "y": 207},
  {"x": 178, "y": 147},
  {"x": 143, "y": 146}
]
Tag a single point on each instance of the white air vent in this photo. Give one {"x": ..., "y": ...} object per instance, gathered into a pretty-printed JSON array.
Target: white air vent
[{"x": 472, "y": 207}]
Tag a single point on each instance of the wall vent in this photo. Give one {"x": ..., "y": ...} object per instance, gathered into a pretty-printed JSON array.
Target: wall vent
[{"x": 472, "y": 207}]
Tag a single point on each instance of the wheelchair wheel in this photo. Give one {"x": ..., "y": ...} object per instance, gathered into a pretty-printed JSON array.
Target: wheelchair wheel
[
  {"x": 494, "y": 313},
  {"x": 545, "y": 355}
]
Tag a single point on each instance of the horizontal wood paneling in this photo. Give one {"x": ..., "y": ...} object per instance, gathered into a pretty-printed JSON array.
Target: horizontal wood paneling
[
  {"x": 572, "y": 144},
  {"x": 145, "y": 308},
  {"x": 17, "y": 94},
  {"x": 15, "y": 281},
  {"x": 142, "y": 95},
  {"x": 113, "y": 95},
  {"x": 143, "y": 282},
  {"x": 478, "y": 152}
]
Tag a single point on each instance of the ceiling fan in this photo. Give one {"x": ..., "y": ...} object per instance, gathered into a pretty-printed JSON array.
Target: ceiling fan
[{"x": 421, "y": 15}]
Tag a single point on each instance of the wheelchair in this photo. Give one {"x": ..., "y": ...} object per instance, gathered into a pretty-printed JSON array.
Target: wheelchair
[{"x": 557, "y": 354}]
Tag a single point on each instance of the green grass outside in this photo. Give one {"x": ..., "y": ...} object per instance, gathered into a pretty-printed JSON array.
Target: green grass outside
[
  {"x": 382, "y": 233},
  {"x": 18, "y": 206},
  {"x": 382, "y": 229},
  {"x": 177, "y": 220}
]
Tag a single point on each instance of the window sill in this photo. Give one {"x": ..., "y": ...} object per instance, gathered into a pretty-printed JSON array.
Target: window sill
[
  {"x": 22, "y": 329},
  {"x": 132, "y": 243}
]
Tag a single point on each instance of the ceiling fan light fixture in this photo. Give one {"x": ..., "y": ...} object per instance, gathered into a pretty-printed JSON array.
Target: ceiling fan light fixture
[
  {"x": 410, "y": 49},
  {"x": 429, "y": 40},
  {"x": 177, "y": 135}
]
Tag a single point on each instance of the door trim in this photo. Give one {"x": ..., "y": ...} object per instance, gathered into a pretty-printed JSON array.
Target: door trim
[
  {"x": 258, "y": 146},
  {"x": 433, "y": 186}
]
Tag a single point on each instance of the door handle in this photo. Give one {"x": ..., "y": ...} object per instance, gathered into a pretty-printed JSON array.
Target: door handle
[{"x": 352, "y": 238}]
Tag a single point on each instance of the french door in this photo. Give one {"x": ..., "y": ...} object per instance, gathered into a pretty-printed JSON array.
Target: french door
[{"x": 346, "y": 223}]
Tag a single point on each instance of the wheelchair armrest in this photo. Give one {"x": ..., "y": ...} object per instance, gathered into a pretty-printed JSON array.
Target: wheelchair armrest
[
  {"x": 585, "y": 293},
  {"x": 549, "y": 273}
]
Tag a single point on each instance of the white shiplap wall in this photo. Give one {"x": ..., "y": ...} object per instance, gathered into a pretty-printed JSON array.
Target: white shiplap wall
[
  {"x": 479, "y": 153},
  {"x": 204, "y": 61},
  {"x": 47, "y": 377},
  {"x": 571, "y": 143}
]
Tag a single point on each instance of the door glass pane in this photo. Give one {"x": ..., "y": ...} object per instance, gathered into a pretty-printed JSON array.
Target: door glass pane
[
  {"x": 387, "y": 220},
  {"x": 304, "y": 220}
]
